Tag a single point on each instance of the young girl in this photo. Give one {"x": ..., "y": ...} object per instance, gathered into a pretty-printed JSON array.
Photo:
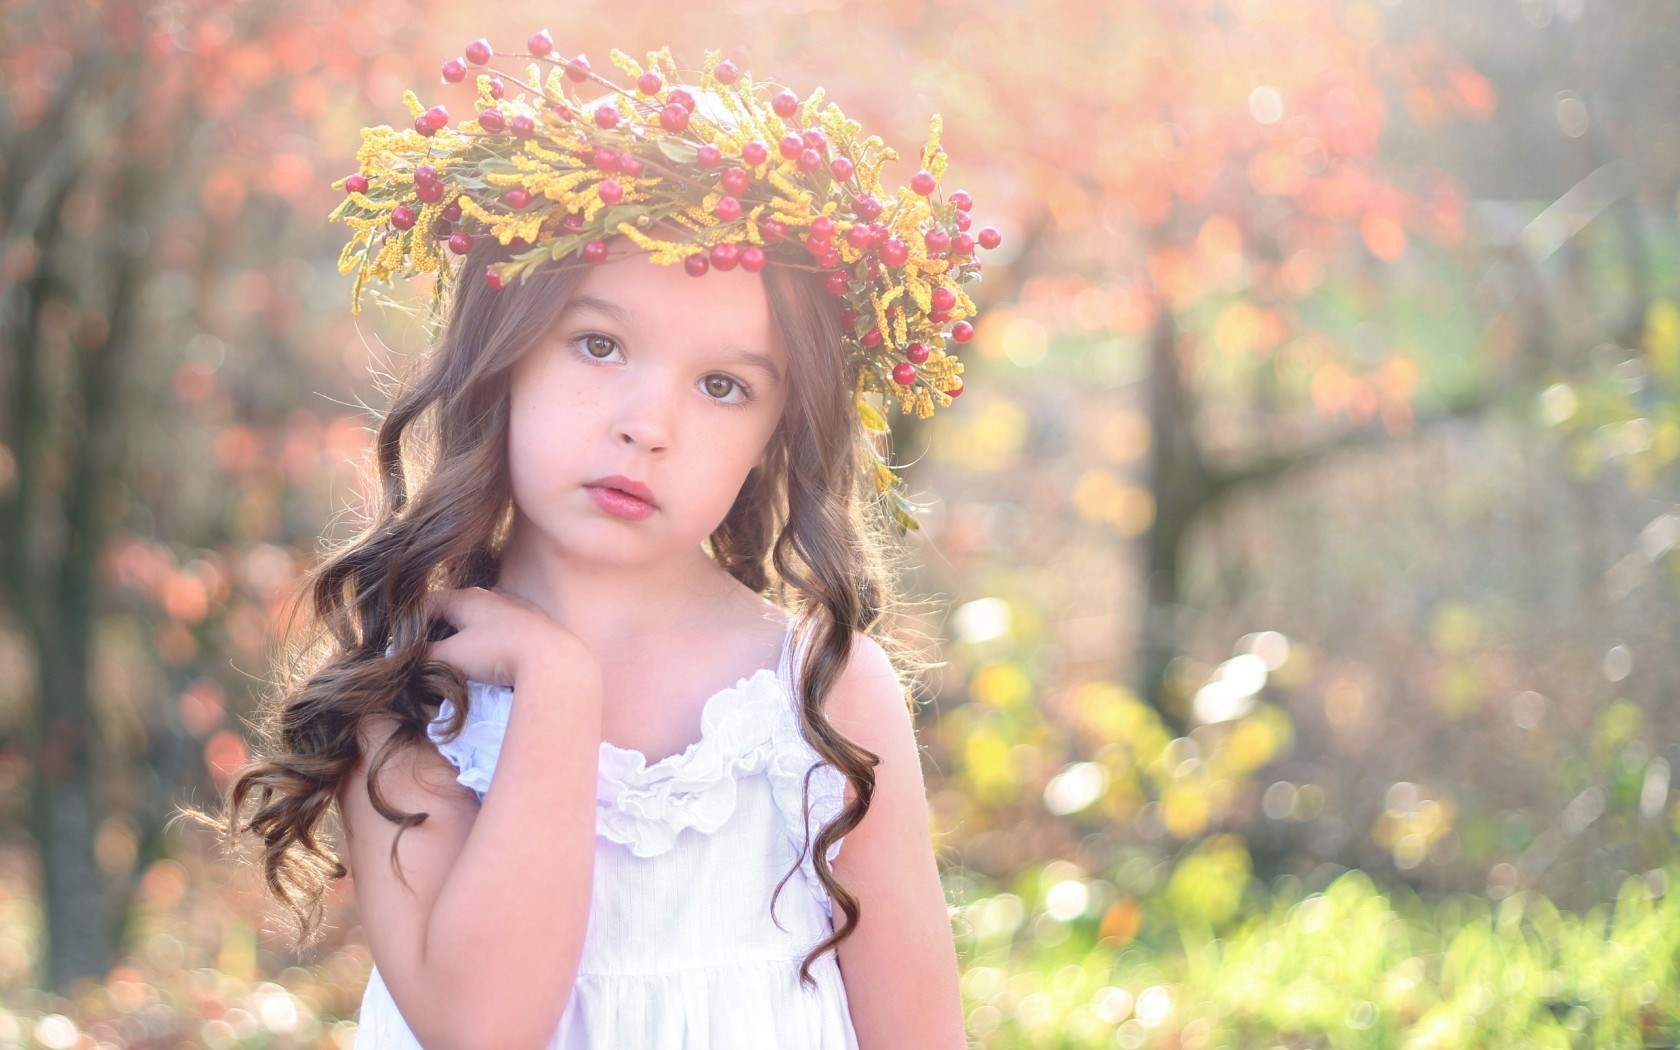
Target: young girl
[{"x": 617, "y": 758}]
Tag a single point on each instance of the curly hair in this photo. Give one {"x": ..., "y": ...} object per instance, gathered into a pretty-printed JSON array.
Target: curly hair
[{"x": 802, "y": 532}]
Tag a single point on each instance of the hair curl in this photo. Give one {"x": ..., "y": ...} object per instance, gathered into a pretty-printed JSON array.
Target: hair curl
[{"x": 802, "y": 532}]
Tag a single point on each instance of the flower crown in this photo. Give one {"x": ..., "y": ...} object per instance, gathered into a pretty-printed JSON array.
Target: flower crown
[{"x": 767, "y": 175}]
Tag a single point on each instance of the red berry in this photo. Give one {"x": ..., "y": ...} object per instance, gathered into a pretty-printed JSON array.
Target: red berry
[
  {"x": 867, "y": 206},
  {"x": 810, "y": 160},
  {"x": 859, "y": 237},
  {"x": 840, "y": 168},
  {"x": 922, "y": 182},
  {"x": 540, "y": 43},
  {"x": 442, "y": 228},
  {"x": 963, "y": 220},
  {"x": 849, "y": 319},
  {"x": 962, "y": 245},
  {"x": 815, "y": 139},
  {"x": 944, "y": 298},
  {"x": 498, "y": 87},
  {"x": 725, "y": 256},
  {"x": 936, "y": 240},
  {"x": 491, "y": 120},
  {"x": 681, "y": 97},
  {"x": 452, "y": 211},
  {"x": 752, "y": 258},
  {"x": 962, "y": 331},
  {"x": 356, "y": 184},
  {"x": 577, "y": 70},
  {"x": 423, "y": 126},
  {"x": 829, "y": 259},
  {"x": 815, "y": 245},
  {"x": 696, "y": 265},
  {"x": 425, "y": 173},
  {"x": 479, "y": 52},
  {"x": 755, "y": 153},
  {"x": 904, "y": 373},
  {"x": 939, "y": 316},
  {"x": 822, "y": 228},
  {"x": 726, "y": 73},
  {"x": 871, "y": 337},
  {"x": 728, "y": 209},
  {"x": 673, "y": 117},
  {"x": 894, "y": 252},
  {"x": 786, "y": 103},
  {"x": 791, "y": 146},
  {"x": 648, "y": 83},
  {"x": 522, "y": 126},
  {"x": 611, "y": 192},
  {"x": 460, "y": 242},
  {"x": 436, "y": 118},
  {"x": 735, "y": 181},
  {"x": 955, "y": 391},
  {"x": 454, "y": 71},
  {"x": 772, "y": 230},
  {"x": 837, "y": 282},
  {"x": 606, "y": 117},
  {"x": 492, "y": 278},
  {"x": 630, "y": 164},
  {"x": 709, "y": 156},
  {"x": 429, "y": 192},
  {"x": 606, "y": 159},
  {"x": 961, "y": 199},
  {"x": 917, "y": 353},
  {"x": 561, "y": 111},
  {"x": 572, "y": 223},
  {"x": 990, "y": 237},
  {"x": 518, "y": 197},
  {"x": 595, "y": 252}
]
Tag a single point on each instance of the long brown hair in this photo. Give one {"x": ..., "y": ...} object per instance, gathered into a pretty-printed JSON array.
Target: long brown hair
[{"x": 803, "y": 532}]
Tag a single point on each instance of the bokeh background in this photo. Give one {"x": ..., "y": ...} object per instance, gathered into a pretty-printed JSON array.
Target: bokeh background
[{"x": 1301, "y": 555}]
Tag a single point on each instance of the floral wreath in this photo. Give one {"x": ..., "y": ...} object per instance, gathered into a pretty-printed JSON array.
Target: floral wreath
[{"x": 778, "y": 176}]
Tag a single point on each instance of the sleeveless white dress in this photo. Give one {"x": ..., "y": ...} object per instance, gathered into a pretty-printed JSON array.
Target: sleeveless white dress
[{"x": 681, "y": 951}]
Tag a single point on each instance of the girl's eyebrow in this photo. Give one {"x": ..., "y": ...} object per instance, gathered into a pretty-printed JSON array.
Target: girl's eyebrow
[{"x": 622, "y": 316}]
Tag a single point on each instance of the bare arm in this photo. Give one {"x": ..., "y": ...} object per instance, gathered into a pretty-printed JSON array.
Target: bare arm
[
  {"x": 481, "y": 946},
  {"x": 900, "y": 963}
]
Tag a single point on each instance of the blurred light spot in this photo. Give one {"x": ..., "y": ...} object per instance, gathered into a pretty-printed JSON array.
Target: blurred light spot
[
  {"x": 1075, "y": 787},
  {"x": 999, "y": 916},
  {"x": 1025, "y": 341},
  {"x": 1653, "y": 795},
  {"x": 1409, "y": 851},
  {"x": 982, "y": 620},
  {"x": 1131, "y": 1035},
  {"x": 1265, "y": 104},
  {"x": 1571, "y": 114},
  {"x": 1230, "y": 694},
  {"x": 1557, "y": 404},
  {"x": 56, "y": 1032},
  {"x": 1309, "y": 802},
  {"x": 1660, "y": 536},
  {"x": 1154, "y": 1004},
  {"x": 1067, "y": 900},
  {"x": 344, "y": 1035},
  {"x": 983, "y": 982},
  {"x": 1271, "y": 647},
  {"x": 1344, "y": 702},
  {"x": 1279, "y": 800},
  {"x": 1585, "y": 808},
  {"x": 1527, "y": 708},
  {"x": 1001, "y": 685},
  {"x": 276, "y": 1007},
  {"x": 1402, "y": 799},
  {"x": 1618, "y": 663},
  {"x": 1112, "y": 1005}
]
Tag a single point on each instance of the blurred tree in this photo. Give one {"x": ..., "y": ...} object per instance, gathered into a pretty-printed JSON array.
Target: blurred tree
[{"x": 138, "y": 143}]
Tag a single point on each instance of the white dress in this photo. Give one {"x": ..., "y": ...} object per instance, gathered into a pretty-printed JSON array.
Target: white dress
[{"x": 681, "y": 952}]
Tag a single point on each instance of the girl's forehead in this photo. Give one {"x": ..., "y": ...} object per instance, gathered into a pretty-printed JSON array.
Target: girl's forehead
[{"x": 633, "y": 291}]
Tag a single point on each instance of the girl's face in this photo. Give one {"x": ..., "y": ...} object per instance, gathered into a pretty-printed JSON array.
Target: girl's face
[{"x": 654, "y": 376}]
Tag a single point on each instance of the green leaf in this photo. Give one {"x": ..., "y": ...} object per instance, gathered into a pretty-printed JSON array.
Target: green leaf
[{"x": 680, "y": 152}]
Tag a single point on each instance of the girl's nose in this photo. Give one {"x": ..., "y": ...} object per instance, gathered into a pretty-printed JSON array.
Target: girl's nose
[{"x": 645, "y": 421}]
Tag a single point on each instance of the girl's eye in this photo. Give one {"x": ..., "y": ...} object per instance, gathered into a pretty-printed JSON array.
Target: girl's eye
[
  {"x": 599, "y": 347},
  {"x": 720, "y": 386}
]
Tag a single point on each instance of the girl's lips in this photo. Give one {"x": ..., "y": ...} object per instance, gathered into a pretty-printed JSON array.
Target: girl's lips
[{"x": 620, "y": 504}]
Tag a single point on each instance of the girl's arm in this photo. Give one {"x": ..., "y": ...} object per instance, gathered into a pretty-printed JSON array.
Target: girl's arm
[
  {"x": 480, "y": 947},
  {"x": 900, "y": 963}
]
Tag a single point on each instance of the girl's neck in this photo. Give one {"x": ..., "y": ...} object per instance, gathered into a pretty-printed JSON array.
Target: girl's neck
[{"x": 614, "y": 608}]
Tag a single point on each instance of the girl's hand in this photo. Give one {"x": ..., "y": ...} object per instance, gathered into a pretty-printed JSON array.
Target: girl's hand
[{"x": 498, "y": 635}]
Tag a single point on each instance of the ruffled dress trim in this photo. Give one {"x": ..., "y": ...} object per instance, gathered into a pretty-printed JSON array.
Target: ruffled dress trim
[{"x": 749, "y": 728}]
